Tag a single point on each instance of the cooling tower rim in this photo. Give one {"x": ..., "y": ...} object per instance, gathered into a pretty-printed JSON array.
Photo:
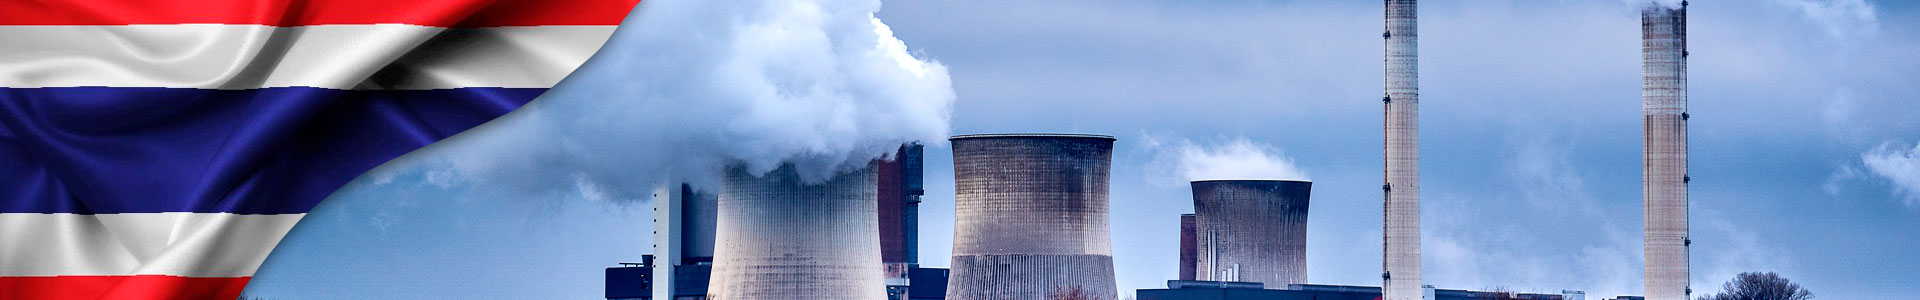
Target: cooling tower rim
[
  {"x": 1032, "y": 135},
  {"x": 1252, "y": 180}
]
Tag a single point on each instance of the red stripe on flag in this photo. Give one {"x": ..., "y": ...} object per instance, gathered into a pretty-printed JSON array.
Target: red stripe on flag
[
  {"x": 136, "y": 287},
  {"x": 438, "y": 13}
]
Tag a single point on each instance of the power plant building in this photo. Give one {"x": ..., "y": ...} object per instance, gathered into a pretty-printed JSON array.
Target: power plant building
[
  {"x": 1252, "y": 230},
  {"x": 1401, "y": 220},
  {"x": 780, "y": 237},
  {"x": 683, "y": 232},
  {"x": 1664, "y": 99},
  {"x": 901, "y": 184},
  {"x": 1189, "y": 247},
  {"x": 1209, "y": 290},
  {"x": 1031, "y": 217}
]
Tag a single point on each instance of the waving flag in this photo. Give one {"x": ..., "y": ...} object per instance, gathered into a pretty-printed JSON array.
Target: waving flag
[{"x": 159, "y": 149}]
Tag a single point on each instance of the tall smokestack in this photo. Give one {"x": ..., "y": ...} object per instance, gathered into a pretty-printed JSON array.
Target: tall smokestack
[
  {"x": 1030, "y": 215},
  {"x": 1252, "y": 230},
  {"x": 1401, "y": 259},
  {"x": 782, "y": 238},
  {"x": 1189, "y": 247},
  {"x": 1663, "y": 91}
]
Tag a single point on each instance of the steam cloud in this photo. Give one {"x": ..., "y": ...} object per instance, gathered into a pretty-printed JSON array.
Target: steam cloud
[
  {"x": 688, "y": 87},
  {"x": 1238, "y": 158},
  {"x": 1647, "y": 3}
]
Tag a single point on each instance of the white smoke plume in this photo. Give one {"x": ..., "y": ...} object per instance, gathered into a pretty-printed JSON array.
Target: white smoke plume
[
  {"x": 1238, "y": 158},
  {"x": 685, "y": 88},
  {"x": 1646, "y": 3}
]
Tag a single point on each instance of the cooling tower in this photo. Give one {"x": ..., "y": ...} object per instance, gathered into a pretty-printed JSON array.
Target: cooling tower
[
  {"x": 1030, "y": 215},
  {"x": 1401, "y": 259},
  {"x": 1252, "y": 230},
  {"x": 1189, "y": 248},
  {"x": 779, "y": 238},
  {"x": 1663, "y": 91}
]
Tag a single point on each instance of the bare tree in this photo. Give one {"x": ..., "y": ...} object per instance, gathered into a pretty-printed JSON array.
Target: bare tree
[
  {"x": 1498, "y": 293},
  {"x": 1075, "y": 293},
  {"x": 1760, "y": 286}
]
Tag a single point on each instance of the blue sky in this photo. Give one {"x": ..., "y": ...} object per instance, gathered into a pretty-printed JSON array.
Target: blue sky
[{"x": 1803, "y": 116}]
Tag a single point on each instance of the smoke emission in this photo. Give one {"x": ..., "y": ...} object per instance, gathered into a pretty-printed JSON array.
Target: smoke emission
[
  {"x": 685, "y": 88},
  {"x": 1181, "y": 161},
  {"x": 1646, "y": 3}
]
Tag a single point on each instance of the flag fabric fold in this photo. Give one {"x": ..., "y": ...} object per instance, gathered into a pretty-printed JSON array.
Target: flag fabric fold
[{"x": 159, "y": 149}]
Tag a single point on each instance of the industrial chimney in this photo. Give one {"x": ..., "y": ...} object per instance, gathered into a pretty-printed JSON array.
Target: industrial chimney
[
  {"x": 1401, "y": 259},
  {"x": 780, "y": 238},
  {"x": 1252, "y": 230},
  {"x": 1663, "y": 92},
  {"x": 1030, "y": 215}
]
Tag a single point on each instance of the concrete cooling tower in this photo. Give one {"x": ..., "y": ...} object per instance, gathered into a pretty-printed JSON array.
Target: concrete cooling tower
[
  {"x": 1030, "y": 215},
  {"x": 1252, "y": 231},
  {"x": 779, "y": 238}
]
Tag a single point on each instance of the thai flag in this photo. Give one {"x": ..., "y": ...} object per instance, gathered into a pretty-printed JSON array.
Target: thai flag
[{"x": 159, "y": 149}]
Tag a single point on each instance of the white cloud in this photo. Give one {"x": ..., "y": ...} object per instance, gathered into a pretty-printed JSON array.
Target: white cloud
[
  {"x": 1239, "y": 158},
  {"x": 1842, "y": 19},
  {"x": 1730, "y": 249},
  {"x": 1840, "y": 177},
  {"x": 1899, "y": 166}
]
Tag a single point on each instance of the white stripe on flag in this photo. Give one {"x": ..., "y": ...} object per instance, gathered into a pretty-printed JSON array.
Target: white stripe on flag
[
  {"x": 179, "y": 244},
  {"x": 237, "y": 57}
]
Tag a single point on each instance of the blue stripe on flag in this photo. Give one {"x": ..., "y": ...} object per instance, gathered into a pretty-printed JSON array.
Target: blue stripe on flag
[{"x": 104, "y": 150}]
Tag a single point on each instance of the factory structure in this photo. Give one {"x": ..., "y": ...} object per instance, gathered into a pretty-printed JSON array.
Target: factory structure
[
  {"x": 1213, "y": 290},
  {"x": 1664, "y": 99},
  {"x": 1031, "y": 216},
  {"x": 1249, "y": 231},
  {"x": 1400, "y": 276},
  {"x": 687, "y": 230},
  {"x": 779, "y": 237}
]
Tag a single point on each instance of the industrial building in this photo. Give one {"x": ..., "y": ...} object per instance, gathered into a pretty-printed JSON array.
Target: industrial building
[
  {"x": 1030, "y": 215},
  {"x": 1189, "y": 247},
  {"x": 1214, "y": 290},
  {"x": 634, "y": 281},
  {"x": 901, "y": 184},
  {"x": 1663, "y": 92},
  {"x": 685, "y": 222},
  {"x": 1251, "y": 231},
  {"x": 683, "y": 232},
  {"x": 1401, "y": 223}
]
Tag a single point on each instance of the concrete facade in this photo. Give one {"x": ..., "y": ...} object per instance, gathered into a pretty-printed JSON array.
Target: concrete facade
[
  {"x": 781, "y": 238},
  {"x": 1252, "y": 230},
  {"x": 1189, "y": 247},
  {"x": 1401, "y": 220},
  {"x": 1030, "y": 214},
  {"x": 1664, "y": 99}
]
